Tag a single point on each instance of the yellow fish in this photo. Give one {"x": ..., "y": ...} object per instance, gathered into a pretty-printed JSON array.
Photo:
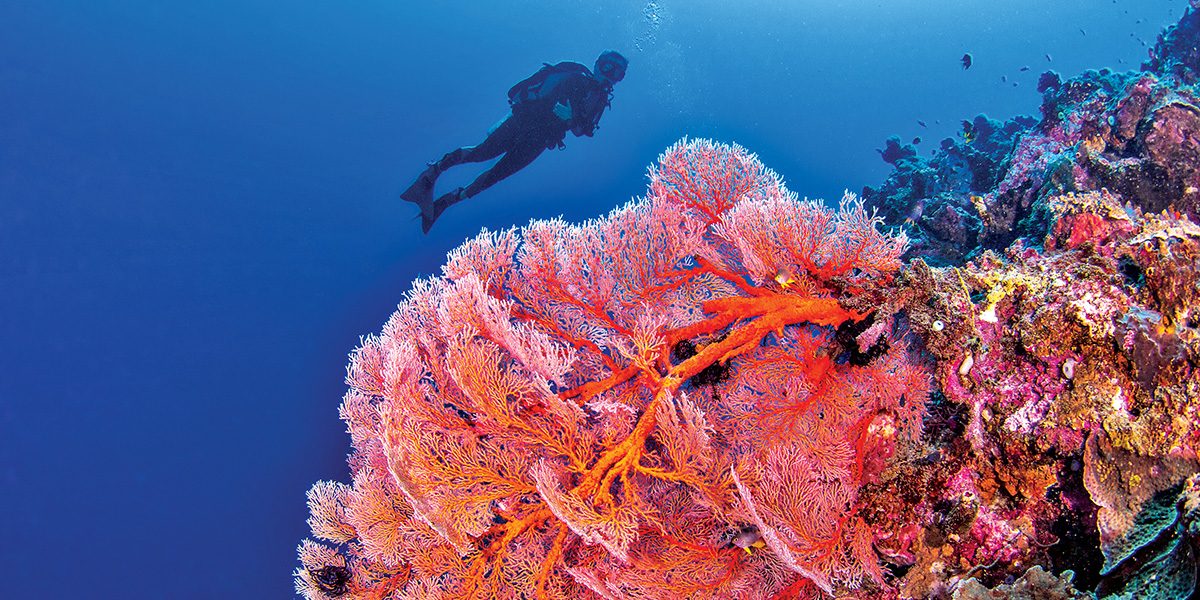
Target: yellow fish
[{"x": 784, "y": 277}]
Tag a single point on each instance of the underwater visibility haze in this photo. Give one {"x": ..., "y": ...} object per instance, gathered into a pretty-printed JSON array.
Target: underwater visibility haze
[{"x": 821, "y": 299}]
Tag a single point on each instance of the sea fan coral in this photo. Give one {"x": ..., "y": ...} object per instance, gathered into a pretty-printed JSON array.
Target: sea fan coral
[{"x": 659, "y": 403}]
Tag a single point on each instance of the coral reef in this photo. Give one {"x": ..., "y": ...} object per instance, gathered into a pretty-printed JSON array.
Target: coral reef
[
  {"x": 1053, "y": 278},
  {"x": 981, "y": 381},
  {"x": 1135, "y": 134},
  {"x": 1077, "y": 382},
  {"x": 936, "y": 199}
]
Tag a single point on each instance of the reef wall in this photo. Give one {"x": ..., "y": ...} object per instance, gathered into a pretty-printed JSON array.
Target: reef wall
[{"x": 1054, "y": 277}]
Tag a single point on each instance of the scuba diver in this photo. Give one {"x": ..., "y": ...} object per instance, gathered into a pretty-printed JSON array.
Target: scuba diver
[{"x": 544, "y": 107}]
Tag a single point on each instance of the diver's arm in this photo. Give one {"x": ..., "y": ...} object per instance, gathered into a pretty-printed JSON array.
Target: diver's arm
[{"x": 562, "y": 110}]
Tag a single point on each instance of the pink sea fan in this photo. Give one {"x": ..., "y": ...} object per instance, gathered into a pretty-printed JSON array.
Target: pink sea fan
[{"x": 649, "y": 404}]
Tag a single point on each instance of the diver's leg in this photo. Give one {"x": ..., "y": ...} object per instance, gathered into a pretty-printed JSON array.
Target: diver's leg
[
  {"x": 514, "y": 160},
  {"x": 497, "y": 141}
]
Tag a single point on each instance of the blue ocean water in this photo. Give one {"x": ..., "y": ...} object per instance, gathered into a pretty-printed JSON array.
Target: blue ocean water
[{"x": 199, "y": 218}]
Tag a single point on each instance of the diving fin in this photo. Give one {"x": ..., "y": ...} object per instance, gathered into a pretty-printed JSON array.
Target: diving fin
[
  {"x": 431, "y": 211},
  {"x": 421, "y": 191}
]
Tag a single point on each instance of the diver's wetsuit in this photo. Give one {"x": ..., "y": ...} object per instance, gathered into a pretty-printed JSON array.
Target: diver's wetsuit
[{"x": 530, "y": 129}]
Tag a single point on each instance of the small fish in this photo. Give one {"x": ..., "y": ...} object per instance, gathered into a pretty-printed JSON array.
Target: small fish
[
  {"x": 979, "y": 204},
  {"x": 1082, "y": 31},
  {"x": 1004, "y": 79},
  {"x": 1025, "y": 68},
  {"x": 784, "y": 277},
  {"x": 921, "y": 123},
  {"x": 748, "y": 539},
  {"x": 1016, "y": 84},
  {"x": 1048, "y": 59},
  {"x": 914, "y": 213},
  {"x": 966, "y": 61},
  {"x": 929, "y": 459},
  {"x": 917, "y": 140}
]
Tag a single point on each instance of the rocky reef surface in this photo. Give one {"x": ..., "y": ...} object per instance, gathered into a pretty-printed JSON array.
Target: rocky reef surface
[{"x": 1054, "y": 279}]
